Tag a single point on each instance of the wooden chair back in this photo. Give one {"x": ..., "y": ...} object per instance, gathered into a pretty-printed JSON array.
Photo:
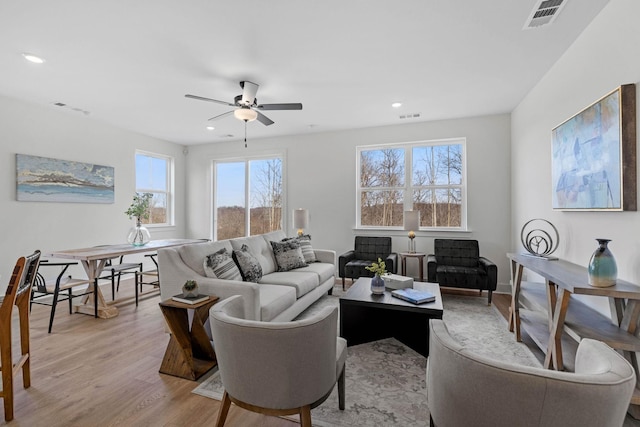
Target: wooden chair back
[{"x": 18, "y": 293}]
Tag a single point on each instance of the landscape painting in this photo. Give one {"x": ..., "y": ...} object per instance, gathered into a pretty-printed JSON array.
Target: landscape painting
[
  {"x": 594, "y": 156},
  {"x": 43, "y": 179}
]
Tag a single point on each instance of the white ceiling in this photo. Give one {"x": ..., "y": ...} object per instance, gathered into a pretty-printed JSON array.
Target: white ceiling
[{"x": 130, "y": 63}]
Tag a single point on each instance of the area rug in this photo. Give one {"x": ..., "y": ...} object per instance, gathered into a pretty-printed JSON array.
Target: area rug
[{"x": 385, "y": 380}]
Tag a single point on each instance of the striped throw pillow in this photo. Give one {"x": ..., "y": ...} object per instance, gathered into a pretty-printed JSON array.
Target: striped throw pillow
[{"x": 221, "y": 266}]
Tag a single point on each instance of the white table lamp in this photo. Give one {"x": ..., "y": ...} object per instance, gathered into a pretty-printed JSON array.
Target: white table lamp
[
  {"x": 300, "y": 220},
  {"x": 411, "y": 224}
]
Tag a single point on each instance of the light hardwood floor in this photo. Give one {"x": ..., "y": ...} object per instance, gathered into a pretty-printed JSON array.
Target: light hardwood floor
[{"x": 104, "y": 372}]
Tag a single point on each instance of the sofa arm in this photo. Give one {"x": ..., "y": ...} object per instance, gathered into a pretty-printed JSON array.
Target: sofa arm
[
  {"x": 173, "y": 272},
  {"x": 391, "y": 262},
  {"x": 343, "y": 260},
  {"x": 431, "y": 268},
  {"x": 492, "y": 272},
  {"x": 325, "y": 255}
]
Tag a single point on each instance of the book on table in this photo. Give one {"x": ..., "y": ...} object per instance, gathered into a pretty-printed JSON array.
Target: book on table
[
  {"x": 190, "y": 299},
  {"x": 414, "y": 296}
]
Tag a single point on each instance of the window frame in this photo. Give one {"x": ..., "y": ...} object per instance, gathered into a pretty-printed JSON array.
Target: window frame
[
  {"x": 408, "y": 187},
  {"x": 170, "y": 186},
  {"x": 247, "y": 190}
]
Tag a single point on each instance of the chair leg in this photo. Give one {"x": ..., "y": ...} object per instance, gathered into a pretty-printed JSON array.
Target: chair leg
[
  {"x": 341, "y": 389},
  {"x": 53, "y": 307},
  {"x": 489, "y": 298},
  {"x": 7, "y": 380},
  {"x": 113, "y": 286},
  {"x": 136, "y": 286},
  {"x": 305, "y": 416},
  {"x": 343, "y": 283},
  {"x": 70, "y": 301},
  {"x": 224, "y": 409},
  {"x": 95, "y": 298}
]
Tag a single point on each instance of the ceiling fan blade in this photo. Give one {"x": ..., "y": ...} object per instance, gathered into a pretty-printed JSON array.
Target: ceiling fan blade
[
  {"x": 249, "y": 90},
  {"x": 291, "y": 106},
  {"x": 200, "y": 98},
  {"x": 264, "y": 119},
  {"x": 219, "y": 116}
]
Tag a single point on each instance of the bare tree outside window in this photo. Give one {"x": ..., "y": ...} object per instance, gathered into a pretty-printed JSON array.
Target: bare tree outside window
[
  {"x": 263, "y": 189},
  {"x": 435, "y": 172},
  {"x": 153, "y": 175}
]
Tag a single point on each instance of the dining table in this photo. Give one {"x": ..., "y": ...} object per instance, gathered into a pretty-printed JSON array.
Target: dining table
[{"x": 93, "y": 260}]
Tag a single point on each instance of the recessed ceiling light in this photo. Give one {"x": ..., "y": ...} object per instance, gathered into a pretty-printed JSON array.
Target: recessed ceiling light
[
  {"x": 396, "y": 104},
  {"x": 210, "y": 128},
  {"x": 33, "y": 58}
]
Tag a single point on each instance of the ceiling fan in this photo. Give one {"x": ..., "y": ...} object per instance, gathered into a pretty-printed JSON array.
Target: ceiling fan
[{"x": 247, "y": 105}]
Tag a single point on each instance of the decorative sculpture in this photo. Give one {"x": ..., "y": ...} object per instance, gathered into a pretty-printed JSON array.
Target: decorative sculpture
[{"x": 540, "y": 238}]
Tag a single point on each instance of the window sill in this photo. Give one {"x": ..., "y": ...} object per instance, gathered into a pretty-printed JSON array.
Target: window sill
[{"x": 400, "y": 232}]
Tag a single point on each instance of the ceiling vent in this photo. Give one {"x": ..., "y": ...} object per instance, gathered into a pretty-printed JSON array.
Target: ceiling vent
[
  {"x": 544, "y": 12},
  {"x": 410, "y": 116},
  {"x": 74, "y": 109}
]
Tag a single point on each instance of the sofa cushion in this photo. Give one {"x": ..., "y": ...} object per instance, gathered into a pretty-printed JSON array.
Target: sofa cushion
[
  {"x": 249, "y": 266},
  {"x": 302, "y": 281},
  {"x": 305, "y": 245},
  {"x": 288, "y": 255},
  {"x": 274, "y": 236},
  {"x": 260, "y": 249},
  {"x": 193, "y": 255},
  {"x": 274, "y": 300},
  {"x": 325, "y": 271},
  {"x": 221, "y": 265}
]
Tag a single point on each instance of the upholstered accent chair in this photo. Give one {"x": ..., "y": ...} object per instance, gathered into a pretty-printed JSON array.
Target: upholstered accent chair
[
  {"x": 277, "y": 368},
  {"x": 466, "y": 389},
  {"x": 367, "y": 249},
  {"x": 458, "y": 264}
]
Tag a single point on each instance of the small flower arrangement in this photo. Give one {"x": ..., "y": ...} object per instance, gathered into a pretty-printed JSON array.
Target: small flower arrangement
[
  {"x": 140, "y": 206},
  {"x": 378, "y": 268}
]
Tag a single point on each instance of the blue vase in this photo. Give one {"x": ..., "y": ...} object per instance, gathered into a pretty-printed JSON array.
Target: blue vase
[
  {"x": 603, "y": 270},
  {"x": 377, "y": 285}
]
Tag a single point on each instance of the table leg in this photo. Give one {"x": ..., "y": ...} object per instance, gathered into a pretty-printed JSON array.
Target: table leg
[
  {"x": 404, "y": 265},
  {"x": 514, "y": 308},
  {"x": 421, "y": 268},
  {"x": 94, "y": 303},
  {"x": 553, "y": 358}
]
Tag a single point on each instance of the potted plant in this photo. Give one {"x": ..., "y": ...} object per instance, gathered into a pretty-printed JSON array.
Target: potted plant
[
  {"x": 139, "y": 235},
  {"x": 377, "y": 283},
  {"x": 190, "y": 289}
]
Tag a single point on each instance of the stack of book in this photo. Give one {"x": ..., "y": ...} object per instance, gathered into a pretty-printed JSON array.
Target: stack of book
[{"x": 414, "y": 295}]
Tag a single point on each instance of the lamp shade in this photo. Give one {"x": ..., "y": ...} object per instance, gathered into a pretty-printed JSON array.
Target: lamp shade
[
  {"x": 411, "y": 220},
  {"x": 300, "y": 219},
  {"x": 246, "y": 114}
]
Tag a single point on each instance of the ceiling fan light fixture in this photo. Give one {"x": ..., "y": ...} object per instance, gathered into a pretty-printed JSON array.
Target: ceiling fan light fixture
[{"x": 246, "y": 114}]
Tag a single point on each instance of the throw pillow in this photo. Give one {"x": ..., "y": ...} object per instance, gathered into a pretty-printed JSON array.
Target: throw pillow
[
  {"x": 249, "y": 266},
  {"x": 288, "y": 255},
  {"x": 305, "y": 245},
  {"x": 221, "y": 265}
]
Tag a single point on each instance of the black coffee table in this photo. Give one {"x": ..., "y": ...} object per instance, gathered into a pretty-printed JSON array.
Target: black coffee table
[{"x": 365, "y": 317}]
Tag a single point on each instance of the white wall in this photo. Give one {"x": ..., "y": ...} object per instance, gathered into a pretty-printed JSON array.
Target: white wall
[
  {"x": 321, "y": 177},
  {"x": 602, "y": 58},
  {"x": 43, "y": 131}
]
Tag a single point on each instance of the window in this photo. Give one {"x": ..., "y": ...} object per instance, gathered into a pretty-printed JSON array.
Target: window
[
  {"x": 425, "y": 176},
  {"x": 154, "y": 175},
  {"x": 256, "y": 183}
]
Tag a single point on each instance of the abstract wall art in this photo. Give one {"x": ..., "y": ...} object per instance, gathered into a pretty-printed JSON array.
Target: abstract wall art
[
  {"x": 43, "y": 179},
  {"x": 594, "y": 156}
]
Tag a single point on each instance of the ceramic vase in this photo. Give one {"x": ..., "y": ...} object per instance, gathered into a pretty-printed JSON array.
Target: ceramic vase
[
  {"x": 603, "y": 270},
  {"x": 138, "y": 235},
  {"x": 377, "y": 285}
]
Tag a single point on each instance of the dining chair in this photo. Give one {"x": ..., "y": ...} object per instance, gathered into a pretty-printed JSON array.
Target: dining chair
[
  {"x": 48, "y": 291},
  {"x": 18, "y": 294},
  {"x": 114, "y": 272}
]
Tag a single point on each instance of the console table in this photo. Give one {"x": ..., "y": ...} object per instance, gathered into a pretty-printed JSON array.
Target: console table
[{"x": 569, "y": 315}]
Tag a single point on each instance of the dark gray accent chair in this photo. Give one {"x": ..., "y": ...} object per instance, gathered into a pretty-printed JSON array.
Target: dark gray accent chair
[
  {"x": 366, "y": 250},
  {"x": 458, "y": 264}
]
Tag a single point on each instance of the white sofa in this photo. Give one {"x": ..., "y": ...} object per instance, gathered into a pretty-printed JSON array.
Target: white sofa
[{"x": 277, "y": 297}]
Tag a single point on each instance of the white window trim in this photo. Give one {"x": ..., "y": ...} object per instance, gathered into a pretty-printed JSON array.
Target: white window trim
[
  {"x": 170, "y": 193},
  {"x": 408, "y": 199},
  {"x": 213, "y": 217}
]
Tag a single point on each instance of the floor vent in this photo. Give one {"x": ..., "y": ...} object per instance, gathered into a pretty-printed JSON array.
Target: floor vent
[{"x": 544, "y": 13}]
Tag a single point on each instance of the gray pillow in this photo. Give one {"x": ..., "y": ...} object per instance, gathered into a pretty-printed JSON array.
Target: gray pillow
[
  {"x": 288, "y": 255},
  {"x": 305, "y": 245},
  {"x": 249, "y": 265},
  {"x": 221, "y": 265}
]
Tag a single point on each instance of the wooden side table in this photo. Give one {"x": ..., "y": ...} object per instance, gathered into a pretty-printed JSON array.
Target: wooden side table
[
  {"x": 189, "y": 353},
  {"x": 420, "y": 256}
]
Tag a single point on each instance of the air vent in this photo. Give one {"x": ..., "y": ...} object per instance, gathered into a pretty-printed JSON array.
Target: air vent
[
  {"x": 544, "y": 13},
  {"x": 410, "y": 116},
  {"x": 68, "y": 107}
]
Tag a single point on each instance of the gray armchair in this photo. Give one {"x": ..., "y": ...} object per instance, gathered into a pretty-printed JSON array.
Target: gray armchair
[
  {"x": 277, "y": 368},
  {"x": 367, "y": 249},
  {"x": 458, "y": 264},
  {"x": 465, "y": 389}
]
